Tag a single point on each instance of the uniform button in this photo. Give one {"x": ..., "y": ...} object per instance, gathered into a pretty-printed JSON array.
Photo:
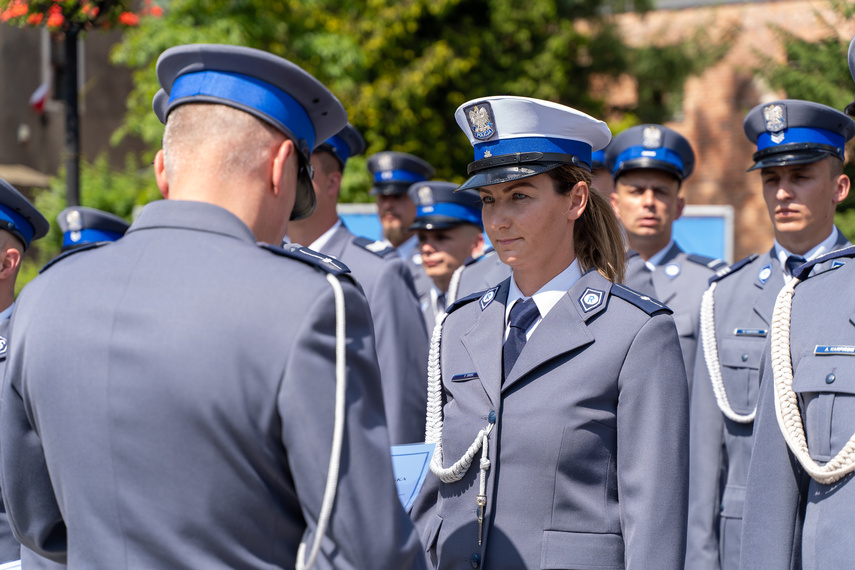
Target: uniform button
[
  {"x": 475, "y": 561},
  {"x": 830, "y": 378},
  {"x": 744, "y": 358},
  {"x": 492, "y": 417}
]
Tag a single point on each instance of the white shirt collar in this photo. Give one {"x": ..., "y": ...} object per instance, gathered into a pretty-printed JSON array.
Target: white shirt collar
[
  {"x": 656, "y": 258},
  {"x": 406, "y": 249},
  {"x": 547, "y": 296},
  {"x": 319, "y": 243},
  {"x": 5, "y": 314},
  {"x": 824, "y": 247}
]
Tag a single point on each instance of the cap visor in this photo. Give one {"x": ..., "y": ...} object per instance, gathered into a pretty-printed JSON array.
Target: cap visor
[
  {"x": 437, "y": 223},
  {"x": 649, "y": 163},
  {"x": 390, "y": 189},
  {"x": 790, "y": 158},
  {"x": 502, "y": 174}
]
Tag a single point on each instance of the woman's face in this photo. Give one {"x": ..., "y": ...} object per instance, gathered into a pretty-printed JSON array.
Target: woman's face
[{"x": 531, "y": 225}]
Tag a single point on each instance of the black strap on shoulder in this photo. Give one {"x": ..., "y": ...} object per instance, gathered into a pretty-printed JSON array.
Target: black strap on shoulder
[
  {"x": 309, "y": 257},
  {"x": 69, "y": 253},
  {"x": 804, "y": 270},
  {"x": 733, "y": 268},
  {"x": 647, "y": 304},
  {"x": 710, "y": 262},
  {"x": 378, "y": 248}
]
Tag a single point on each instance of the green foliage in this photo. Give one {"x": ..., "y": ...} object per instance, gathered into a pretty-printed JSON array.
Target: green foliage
[
  {"x": 101, "y": 187},
  {"x": 402, "y": 68}
]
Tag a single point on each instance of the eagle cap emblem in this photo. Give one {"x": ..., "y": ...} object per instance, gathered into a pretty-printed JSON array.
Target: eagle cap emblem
[
  {"x": 425, "y": 196},
  {"x": 481, "y": 120},
  {"x": 385, "y": 162},
  {"x": 775, "y": 117},
  {"x": 651, "y": 137},
  {"x": 75, "y": 224}
]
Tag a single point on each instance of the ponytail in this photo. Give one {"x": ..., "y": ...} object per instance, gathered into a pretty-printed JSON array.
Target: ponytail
[{"x": 597, "y": 237}]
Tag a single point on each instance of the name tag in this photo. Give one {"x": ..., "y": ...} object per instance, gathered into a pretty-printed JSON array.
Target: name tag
[
  {"x": 834, "y": 350},
  {"x": 462, "y": 377},
  {"x": 750, "y": 332}
]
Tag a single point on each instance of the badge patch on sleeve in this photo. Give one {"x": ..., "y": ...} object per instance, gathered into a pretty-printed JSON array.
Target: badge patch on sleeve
[
  {"x": 591, "y": 299},
  {"x": 488, "y": 297}
]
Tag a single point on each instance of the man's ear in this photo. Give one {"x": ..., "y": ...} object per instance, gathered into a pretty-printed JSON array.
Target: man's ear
[
  {"x": 160, "y": 174},
  {"x": 284, "y": 153},
  {"x": 10, "y": 259}
]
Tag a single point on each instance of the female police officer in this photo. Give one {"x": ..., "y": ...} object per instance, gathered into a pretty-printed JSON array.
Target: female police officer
[{"x": 568, "y": 388}]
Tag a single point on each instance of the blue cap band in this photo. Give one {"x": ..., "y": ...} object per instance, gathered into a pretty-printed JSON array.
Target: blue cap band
[
  {"x": 579, "y": 149},
  {"x": 803, "y": 135},
  {"x": 89, "y": 236},
  {"x": 398, "y": 176},
  {"x": 19, "y": 223},
  {"x": 251, "y": 93},
  {"x": 457, "y": 211},
  {"x": 662, "y": 154},
  {"x": 599, "y": 157},
  {"x": 342, "y": 149}
]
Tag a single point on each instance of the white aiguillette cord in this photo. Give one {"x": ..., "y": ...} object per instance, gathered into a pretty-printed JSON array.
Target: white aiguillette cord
[
  {"x": 787, "y": 402},
  {"x": 711, "y": 357},
  {"x": 338, "y": 429},
  {"x": 433, "y": 429}
]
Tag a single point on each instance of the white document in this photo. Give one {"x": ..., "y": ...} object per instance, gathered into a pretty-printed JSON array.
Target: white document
[{"x": 411, "y": 464}]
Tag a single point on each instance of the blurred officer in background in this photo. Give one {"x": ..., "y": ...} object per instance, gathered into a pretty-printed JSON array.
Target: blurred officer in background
[
  {"x": 388, "y": 285},
  {"x": 448, "y": 226},
  {"x": 20, "y": 224},
  {"x": 81, "y": 226},
  {"x": 800, "y": 154},
  {"x": 799, "y": 497},
  {"x": 649, "y": 164},
  {"x": 178, "y": 397}
]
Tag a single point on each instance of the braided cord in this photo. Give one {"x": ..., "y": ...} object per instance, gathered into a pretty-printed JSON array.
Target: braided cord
[
  {"x": 787, "y": 403},
  {"x": 454, "y": 285},
  {"x": 711, "y": 357},
  {"x": 338, "y": 429}
]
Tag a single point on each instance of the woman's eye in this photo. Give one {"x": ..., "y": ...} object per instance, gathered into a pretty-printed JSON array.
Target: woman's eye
[
  {"x": 487, "y": 200},
  {"x": 519, "y": 196}
]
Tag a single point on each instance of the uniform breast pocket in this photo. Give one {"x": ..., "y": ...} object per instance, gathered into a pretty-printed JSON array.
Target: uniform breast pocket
[
  {"x": 740, "y": 371},
  {"x": 826, "y": 389}
]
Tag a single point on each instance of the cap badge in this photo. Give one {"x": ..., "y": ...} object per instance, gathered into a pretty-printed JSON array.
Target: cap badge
[
  {"x": 73, "y": 220},
  {"x": 487, "y": 154},
  {"x": 775, "y": 117},
  {"x": 488, "y": 297},
  {"x": 481, "y": 121},
  {"x": 764, "y": 274},
  {"x": 425, "y": 196},
  {"x": 672, "y": 270},
  {"x": 2, "y": 346},
  {"x": 385, "y": 162},
  {"x": 591, "y": 299},
  {"x": 651, "y": 137}
]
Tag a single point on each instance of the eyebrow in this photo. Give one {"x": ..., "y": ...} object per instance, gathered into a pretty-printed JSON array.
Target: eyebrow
[{"x": 509, "y": 188}]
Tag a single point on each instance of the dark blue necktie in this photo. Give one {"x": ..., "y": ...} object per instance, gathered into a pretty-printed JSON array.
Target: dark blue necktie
[
  {"x": 793, "y": 262},
  {"x": 523, "y": 315}
]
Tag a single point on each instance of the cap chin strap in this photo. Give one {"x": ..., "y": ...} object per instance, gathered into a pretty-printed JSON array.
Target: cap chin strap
[
  {"x": 524, "y": 158},
  {"x": 787, "y": 402},
  {"x": 712, "y": 361},
  {"x": 304, "y": 200},
  {"x": 338, "y": 430},
  {"x": 433, "y": 430}
]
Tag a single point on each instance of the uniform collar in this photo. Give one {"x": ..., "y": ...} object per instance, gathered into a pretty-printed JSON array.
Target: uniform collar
[
  {"x": 656, "y": 259},
  {"x": 191, "y": 215},
  {"x": 7, "y": 312},
  {"x": 318, "y": 244},
  {"x": 824, "y": 247},
  {"x": 547, "y": 296},
  {"x": 406, "y": 249}
]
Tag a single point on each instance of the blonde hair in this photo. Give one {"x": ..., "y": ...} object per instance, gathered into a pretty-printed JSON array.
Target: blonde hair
[{"x": 597, "y": 238}]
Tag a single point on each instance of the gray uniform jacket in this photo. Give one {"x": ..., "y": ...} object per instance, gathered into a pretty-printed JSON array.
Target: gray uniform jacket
[
  {"x": 720, "y": 447},
  {"x": 589, "y": 450},
  {"x": 402, "y": 341},
  {"x": 481, "y": 273},
  {"x": 10, "y": 549},
  {"x": 679, "y": 281},
  {"x": 169, "y": 403},
  {"x": 791, "y": 520}
]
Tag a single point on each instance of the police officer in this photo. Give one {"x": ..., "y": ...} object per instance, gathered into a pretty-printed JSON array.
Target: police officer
[
  {"x": 798, "y": 506},
  {"x": 81, "y": 225},
  {"x": 182, "y": 381},
  {"x": 649, "y": 164},
  {"x": 800, "y": 148},
  {"x": 388, "y": 285},
  {"x": 546, "y": 377},
  {"x": 448, "y": 226},
  {"x": 393, "y": 174},
  {"x": 20, "y": 224}
]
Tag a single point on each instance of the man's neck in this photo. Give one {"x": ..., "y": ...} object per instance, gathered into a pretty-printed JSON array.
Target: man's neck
[
  {"x": 800, "y": 243},
  {"x": 647, "y": 247},
  {"x": 307, "y": 231}
]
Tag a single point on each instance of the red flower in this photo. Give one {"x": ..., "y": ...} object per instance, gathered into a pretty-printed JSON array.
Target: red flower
[
  {"x": 55, "y": 17},
  {"x": 156, "y": 11},
  {"x": 15, "y": 10},
  {"x": 35, "y": 19},
  {"x": 129, "y": 19}
]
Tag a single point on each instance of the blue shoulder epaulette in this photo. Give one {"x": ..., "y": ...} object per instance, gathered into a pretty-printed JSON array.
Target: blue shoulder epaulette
[
  {"x": 464, "y": 300},
  {"x": 471, "y": 260},
  {"x": 643, "y": 302},
  {"x": 309, "y": 256},
  {"x": 803, "y": 271},
  {"x": 714, "y": 264},
  {"x": 71, "y": 252},
  {"x": 378, "y": 248},
  {"x": 733, "y": 268}
]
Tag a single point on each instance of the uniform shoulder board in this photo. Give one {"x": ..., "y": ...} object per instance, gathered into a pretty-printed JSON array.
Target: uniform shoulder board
[
  {"x": 463, "y": 301},
  {"x": 309, "y": 256},
  {"x": 475, "y": 259},
  {"x": 804, "y": 270},
  {"x": 643, "y": 302},
  {"x": 714, "y": 264},
  {"x": 71, "y": 252},
  {"x": 378, "y": 248},
  {"x": 724, "y": 272}
]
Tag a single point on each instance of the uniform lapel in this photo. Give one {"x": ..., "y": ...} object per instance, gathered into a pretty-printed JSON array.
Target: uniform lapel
[
  {"x": 666, "y": 287},
  {"x": 764, "y": 304},
  {"x": 484, "y": 341},
  {"x": 841, "y": 243},
  {"x": 563, "y": 329}
]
